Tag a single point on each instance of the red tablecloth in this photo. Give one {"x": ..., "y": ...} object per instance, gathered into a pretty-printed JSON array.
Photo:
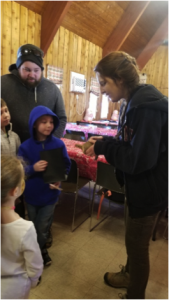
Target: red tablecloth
[
  {"x": 91, "y": 129},
  {"x": 87, "y": 165}
]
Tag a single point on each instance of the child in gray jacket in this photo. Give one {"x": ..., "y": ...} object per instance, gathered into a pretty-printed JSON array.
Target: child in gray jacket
[{"x": 10, "y": 141}]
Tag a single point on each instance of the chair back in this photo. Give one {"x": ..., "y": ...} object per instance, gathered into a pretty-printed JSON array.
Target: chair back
[
  {"x": 103, "y": 126},
  {"x": 94, "y": 134},
  {"x": 80, "y": 208},
  {"x": 73, "y": 174},
  {"x": 113, "y": 126},
  {"x": 75, "y": 135},
  {"x": 83, "y": 123},
  {"x": 106, "y": 177}
]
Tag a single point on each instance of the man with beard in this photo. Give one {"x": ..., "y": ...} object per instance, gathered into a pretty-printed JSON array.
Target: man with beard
[{"x": 25, "y": 87}]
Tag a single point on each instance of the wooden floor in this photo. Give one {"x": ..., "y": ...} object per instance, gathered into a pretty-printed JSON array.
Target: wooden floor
[{"x": 81, "y": 258}]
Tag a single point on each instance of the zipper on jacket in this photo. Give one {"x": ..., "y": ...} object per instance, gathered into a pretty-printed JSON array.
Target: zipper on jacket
[
  {"x": 10, "y": 146},
  {"x": 36, "y": 94},
  {"x": 43, "y": 146},
  {"x": 7, "y": 135}
]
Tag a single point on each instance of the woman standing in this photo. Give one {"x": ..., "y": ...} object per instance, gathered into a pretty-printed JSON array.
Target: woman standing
[{"x": 140, "y": 155}]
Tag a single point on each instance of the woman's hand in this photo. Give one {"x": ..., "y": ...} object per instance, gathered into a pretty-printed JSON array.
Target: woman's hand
[
  {"x": 90, "y": 151},
  {"x": 55, "y": 186},
  {"x": 40, "y": 165},
  {"x": 93, "y": 140}
]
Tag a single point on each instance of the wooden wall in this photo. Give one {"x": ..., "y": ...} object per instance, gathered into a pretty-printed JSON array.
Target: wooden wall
[
  {"x": 157, "y": 70},
  {"x": 73, "y": 53},
  {"x": 18, "y": 26},
  {"x": 68, "y": 51}
]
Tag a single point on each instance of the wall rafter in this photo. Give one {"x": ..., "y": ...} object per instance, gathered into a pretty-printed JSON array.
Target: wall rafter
[
  {"x": 153, "y": 44},
  {"x": 51, "y": 20},
  {"x": 125, "y": 26}
]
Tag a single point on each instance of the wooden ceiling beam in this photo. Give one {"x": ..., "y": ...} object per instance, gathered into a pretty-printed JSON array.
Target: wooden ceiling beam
[
  {"x": 51, "y": 20},
  {"x": 153, "y": 44},
  {"x": 125, "y": 26},
  {"x": 34, "y": 6}
]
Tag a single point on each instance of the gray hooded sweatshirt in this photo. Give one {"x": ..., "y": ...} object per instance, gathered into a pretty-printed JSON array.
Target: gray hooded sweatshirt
[
  {"x": 21, "y": 100},
  {"x": 10, "y": 141}
]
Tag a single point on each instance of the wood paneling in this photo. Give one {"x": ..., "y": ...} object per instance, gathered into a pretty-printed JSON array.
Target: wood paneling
[
  {"x": 31, "y": 27},
  {"x": 67, "y": 50},
  {"x": 1, "y": 37},
  {"x": 73, "y": 53},
  {"x": 38, "y": 29},
  {"x": 23, "y": 25},
  {"x": 18, "y": 26},
  {"x": 125, "y": 26},
  {"x": 96, "y": 20},
  {"x": 146, "y": 27},
  {"x": 51, "y": 20},
  {"x": 153, "y": 44},
  {"x": 6, "y": 43},
  {"x": 157, "y": 70},
  {"x": 36, "y": 6},
  {"x": 91, "y": 19},
  {"x": 15, "y": 29}
]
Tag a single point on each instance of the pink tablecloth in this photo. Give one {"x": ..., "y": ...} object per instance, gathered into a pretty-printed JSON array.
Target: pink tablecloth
[
  {"x": 87, "y": 165},
  {"x": 107, "y": 122},
  {"x": 91, "y": 129}
]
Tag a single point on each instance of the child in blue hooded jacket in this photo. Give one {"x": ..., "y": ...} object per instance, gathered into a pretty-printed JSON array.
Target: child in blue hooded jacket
[{"x": 41, "y": 197}]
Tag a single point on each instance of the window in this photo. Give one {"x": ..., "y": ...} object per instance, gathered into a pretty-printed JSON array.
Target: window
[
  {"x": 94, "y": 94},
  {"x": 93, "y": 104},
  {"x": 104, "y": 107}
]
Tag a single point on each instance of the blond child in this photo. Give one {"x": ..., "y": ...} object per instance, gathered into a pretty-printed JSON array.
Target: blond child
[{"x": 21, "y": 260}]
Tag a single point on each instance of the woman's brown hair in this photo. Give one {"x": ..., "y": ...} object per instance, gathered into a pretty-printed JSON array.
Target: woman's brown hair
[
  {"x": 3, "y": 103},
  {"x": 120, "y": 65},
  {"x": 11, "y": 174}
]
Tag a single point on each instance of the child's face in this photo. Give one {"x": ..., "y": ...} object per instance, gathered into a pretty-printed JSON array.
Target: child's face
[
  {"x": 5, "y": 116},
  {"x": 44, "y": 126}
]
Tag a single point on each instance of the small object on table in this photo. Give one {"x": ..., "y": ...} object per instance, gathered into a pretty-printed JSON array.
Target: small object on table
[{"x": 84, "y": 147}]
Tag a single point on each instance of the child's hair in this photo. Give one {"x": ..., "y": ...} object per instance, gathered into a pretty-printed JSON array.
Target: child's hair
[
  {"x": 120, "y": 65},
  {"x": 11, "y": 174},
  {"x": 3, "y": 103}
]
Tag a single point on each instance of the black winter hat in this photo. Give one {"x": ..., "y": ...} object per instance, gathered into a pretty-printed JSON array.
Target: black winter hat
[{"x": 30, "y": 52}]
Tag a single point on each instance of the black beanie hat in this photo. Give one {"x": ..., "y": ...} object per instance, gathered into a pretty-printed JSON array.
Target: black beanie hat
[{"x": 30, "y": 52}]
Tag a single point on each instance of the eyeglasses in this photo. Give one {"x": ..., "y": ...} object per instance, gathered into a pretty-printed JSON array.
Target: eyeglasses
[
  {"x": 30, "y": 51},
  {"x": 27, "y": 70}
]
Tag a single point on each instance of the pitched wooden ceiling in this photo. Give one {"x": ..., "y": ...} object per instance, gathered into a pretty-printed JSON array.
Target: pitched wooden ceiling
[{"x": 137, "y": 27}]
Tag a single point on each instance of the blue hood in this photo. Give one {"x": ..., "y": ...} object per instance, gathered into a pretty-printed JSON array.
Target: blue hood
[{"x": 38, "y": 112}]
